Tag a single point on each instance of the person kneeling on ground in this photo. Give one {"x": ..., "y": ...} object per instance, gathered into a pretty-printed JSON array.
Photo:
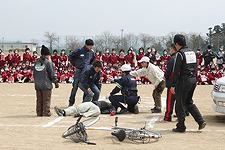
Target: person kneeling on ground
[
  {"x": 90, "y": 83},
  {"x": 87, "y": 109},
  {"x": 128, "y": 87}
]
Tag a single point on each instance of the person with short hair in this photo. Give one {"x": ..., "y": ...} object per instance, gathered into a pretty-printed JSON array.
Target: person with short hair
[
  {"x": 184, "y": 82},
  {"x": 128, "y": 87},
  {"x": 170, "y": 99},
  {"x": 87, "y": 109},
  {"x": 90, "y": 82},
  {"x": 208, "y": 56},
  {"x": 81, "y": 59},
  {"x": 155, "y": 75},
  {"x": 44, "y": 76}
]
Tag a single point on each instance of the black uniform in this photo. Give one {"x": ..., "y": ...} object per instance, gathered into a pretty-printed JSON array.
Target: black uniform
[
  {"x": 185, "y": 81},
  {"x": 170, "y": 96},
  {"x": 128, "y": 87}
]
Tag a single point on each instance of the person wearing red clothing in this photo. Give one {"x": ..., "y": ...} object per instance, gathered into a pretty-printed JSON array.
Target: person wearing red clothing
[
  {"x": 3, "y": 74},
  {"x": 55, "y": 58},
  {"x": 199, "y": 57},
  {"x": 34, "y": 58},
  {"x": 129, "y": 58},
  {"x": 98, "y": 55},
  {"x": 139, "y": 55},
  {"x": 219, "y": 74},
  {"x": 16, "y": 57},
  {"x": 63, "y": 56},
  {"x": 9, "y": 58},
  {"x": 27, "y": 55},
  {"x": 114, "y": 58},
  {"x": 2, "y": 58},
  {"x": 122, "y": 57},
  {"x": 165, "y": 57},
  {"x": 24, "y": 76},
  {"x": 211, "y": 76},
  {"x": 105, "y": 57},
  {"x": 107, "y": 76}
]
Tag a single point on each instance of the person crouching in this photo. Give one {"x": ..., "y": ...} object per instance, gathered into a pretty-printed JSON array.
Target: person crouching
[{"x": 128, "y": 87}]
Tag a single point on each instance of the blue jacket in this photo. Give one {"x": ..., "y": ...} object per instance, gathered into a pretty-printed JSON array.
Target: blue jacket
[
  {"x": 80, "y": 58},
  {"x": 127, "y": 85},
  {"x": 91, "y": 77}
]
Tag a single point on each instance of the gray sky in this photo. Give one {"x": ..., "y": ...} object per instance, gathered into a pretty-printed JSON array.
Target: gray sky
[{"x": 29, "y": 19}]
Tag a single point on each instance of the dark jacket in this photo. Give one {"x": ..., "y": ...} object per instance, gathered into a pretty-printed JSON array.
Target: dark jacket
[
  {"x": 169, "y": 71},
  {"x": 127, "y": 85},
  {"x": 91, "y": 77},
  {"x": 208, "y": 56},
  {"x": 185, "y": 65},
  {"x": 104, "y": 107},
  {"x": 44, "y": 75},
  {"x": 81, "y": 57}
]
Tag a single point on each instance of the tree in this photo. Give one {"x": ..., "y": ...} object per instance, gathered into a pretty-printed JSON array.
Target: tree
[
  {"x": 146, "y": 40},
  {"x": 51, "y": 39},
  {"x": 73, "y": 42},
  {"x": 130, "y": 40}
]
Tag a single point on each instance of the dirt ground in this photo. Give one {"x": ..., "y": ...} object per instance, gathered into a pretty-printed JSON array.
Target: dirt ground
[{"x": 21, "y": 129}]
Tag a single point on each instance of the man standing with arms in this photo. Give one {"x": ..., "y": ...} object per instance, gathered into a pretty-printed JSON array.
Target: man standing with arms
[
  {"x": 155, "y": 75},
  {"x": 82, "y": 60},
  {"x": 184, "y": 83}
]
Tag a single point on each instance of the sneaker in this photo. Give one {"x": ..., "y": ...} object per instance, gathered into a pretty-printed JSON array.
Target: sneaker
[
  {"x": 178, "y": 130},
  {"x": 156, "y": 111},
  {"x": 201, "y": 126},
  {"x": 59, "y": 112},
  {"x": 136, "y": 110},
  {"x": 122, "y": 111},
  {"x": 153, "y": 108}
]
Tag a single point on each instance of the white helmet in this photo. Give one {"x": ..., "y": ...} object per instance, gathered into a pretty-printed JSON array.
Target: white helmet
[{"x": 126, "y": 67}]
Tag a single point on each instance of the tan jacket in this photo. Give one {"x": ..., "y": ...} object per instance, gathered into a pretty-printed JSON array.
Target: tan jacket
[{"x": 152, "y": 72}]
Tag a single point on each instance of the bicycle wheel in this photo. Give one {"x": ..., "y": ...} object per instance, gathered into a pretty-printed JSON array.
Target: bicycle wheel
[
  {"x": 90, "y": 121},
  {"x": 71, "y": 130},
  {"x": 152, "y": 134}
]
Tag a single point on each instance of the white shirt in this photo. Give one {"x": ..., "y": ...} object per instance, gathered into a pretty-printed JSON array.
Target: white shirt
[{"x": 152, "y": 72}]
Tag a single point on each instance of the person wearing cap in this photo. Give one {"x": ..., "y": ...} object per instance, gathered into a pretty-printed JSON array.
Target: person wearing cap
[
  {"x": 128, "y": 87},
  {"x": 155, "y": 75},
  {"x": 82, "y": 60},
  {"x": 44, "y": 76}
]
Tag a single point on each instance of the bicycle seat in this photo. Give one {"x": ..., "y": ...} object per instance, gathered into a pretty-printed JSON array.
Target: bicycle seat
[{"x": 120, "y": 134}]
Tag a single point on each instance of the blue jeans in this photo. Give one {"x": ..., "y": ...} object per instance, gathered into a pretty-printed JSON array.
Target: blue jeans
[
  {"x": 93, "y": 95},
  {"x": 77, "y": 78}
]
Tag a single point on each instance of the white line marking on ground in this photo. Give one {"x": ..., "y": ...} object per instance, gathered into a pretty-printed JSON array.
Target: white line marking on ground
[
  {"x": 52, "y": 122},
  {"x": 23, "y": 95},
  {"x": 152, "y": 121}
]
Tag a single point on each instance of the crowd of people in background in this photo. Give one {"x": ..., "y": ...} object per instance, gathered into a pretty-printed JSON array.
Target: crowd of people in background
[{"x": 17, "y": 68}]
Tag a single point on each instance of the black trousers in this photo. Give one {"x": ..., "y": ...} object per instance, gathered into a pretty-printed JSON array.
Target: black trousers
[
  {"x": 184, "y": 102},
  {"x": 131, "y": 101}
]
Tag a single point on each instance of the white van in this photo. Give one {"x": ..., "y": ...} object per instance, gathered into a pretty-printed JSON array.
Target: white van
[{"x": 218, "y": 96}]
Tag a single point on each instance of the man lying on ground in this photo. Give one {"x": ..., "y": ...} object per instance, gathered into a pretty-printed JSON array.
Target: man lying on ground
[{"x": 87, "y": 109}]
